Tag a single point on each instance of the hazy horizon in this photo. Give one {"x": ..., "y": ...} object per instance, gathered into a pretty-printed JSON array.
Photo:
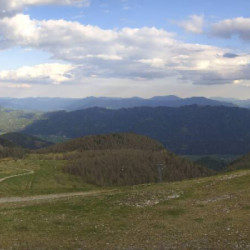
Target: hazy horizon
[{"x": 119, "y": 97}]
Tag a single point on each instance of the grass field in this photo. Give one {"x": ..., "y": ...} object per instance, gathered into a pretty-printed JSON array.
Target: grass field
[{"x": 208, "y": 213}]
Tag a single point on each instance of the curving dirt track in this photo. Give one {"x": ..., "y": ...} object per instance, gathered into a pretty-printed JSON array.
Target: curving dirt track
[{"x": 17, "y": 175}]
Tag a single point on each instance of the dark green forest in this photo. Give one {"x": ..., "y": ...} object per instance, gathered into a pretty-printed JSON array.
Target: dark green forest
[
  {"x": 188, "y": 130},
  {"x": 24, "y": 141}
]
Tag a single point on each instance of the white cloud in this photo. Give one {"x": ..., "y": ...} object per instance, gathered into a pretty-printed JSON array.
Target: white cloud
[
  {"x": 193, "y": 24},
  {"x": 12, "y": 7},
  {"x": 142, "y": 53},
  {"x": 43, "y": 73},
  {"x": 239, "y": 26},
  {"x": 19, "y": 27},
  {"x": 154, "y": 62}
]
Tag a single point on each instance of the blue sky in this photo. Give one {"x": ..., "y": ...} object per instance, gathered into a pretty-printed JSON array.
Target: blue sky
[{"x": 78, "y": 48}]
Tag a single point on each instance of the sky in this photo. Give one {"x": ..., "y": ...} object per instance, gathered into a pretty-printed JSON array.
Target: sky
[{"x": 124, "y": 48}]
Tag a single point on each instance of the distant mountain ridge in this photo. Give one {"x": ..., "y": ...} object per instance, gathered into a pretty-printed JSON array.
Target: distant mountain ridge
[
  {"x": 70, "y": 104},
  {"x": 194, "y": 129},
  {"x": 36, "y": 104},
  {"x": 157, "y": 101},
  {"x": 237, "y": 102}
]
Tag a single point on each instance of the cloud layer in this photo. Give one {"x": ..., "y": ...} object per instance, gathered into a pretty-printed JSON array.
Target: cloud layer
[
  {"x": 129, "y": 53},
  {"x": 12, "y": 7},
  {"x": 145, "y": 53}
]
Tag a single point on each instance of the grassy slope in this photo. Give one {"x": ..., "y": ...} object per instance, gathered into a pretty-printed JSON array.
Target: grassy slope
[
  {"x": 210, "y": 213},
  {"x": 47, "y": 178}
]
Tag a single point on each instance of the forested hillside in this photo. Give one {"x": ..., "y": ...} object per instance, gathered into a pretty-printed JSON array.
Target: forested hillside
[
  {"x": 185, "y": 130},
  {"x": 241, "y": 163},
  {"x": 25, "y": 141},
  {"x": 6, "y": 143},
  {"x": 123, "y": 159},
  {"x": 106, "y": 142}
]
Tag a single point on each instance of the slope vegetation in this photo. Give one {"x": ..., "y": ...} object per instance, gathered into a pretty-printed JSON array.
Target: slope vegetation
[
  {"x": 10, "y": 149},
  {"x": 123, "y": 159},
  {"x": 241, "y": 163},
  {"x": 6, "y": 143}
]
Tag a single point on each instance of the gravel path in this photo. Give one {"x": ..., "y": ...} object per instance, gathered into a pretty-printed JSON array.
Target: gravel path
[{"x": 50, "y": 196}]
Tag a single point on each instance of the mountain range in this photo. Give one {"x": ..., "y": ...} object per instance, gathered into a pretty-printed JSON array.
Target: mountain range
[
  {"x": 70, "y": 104},
  {"x": 237, "y": 102}
]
